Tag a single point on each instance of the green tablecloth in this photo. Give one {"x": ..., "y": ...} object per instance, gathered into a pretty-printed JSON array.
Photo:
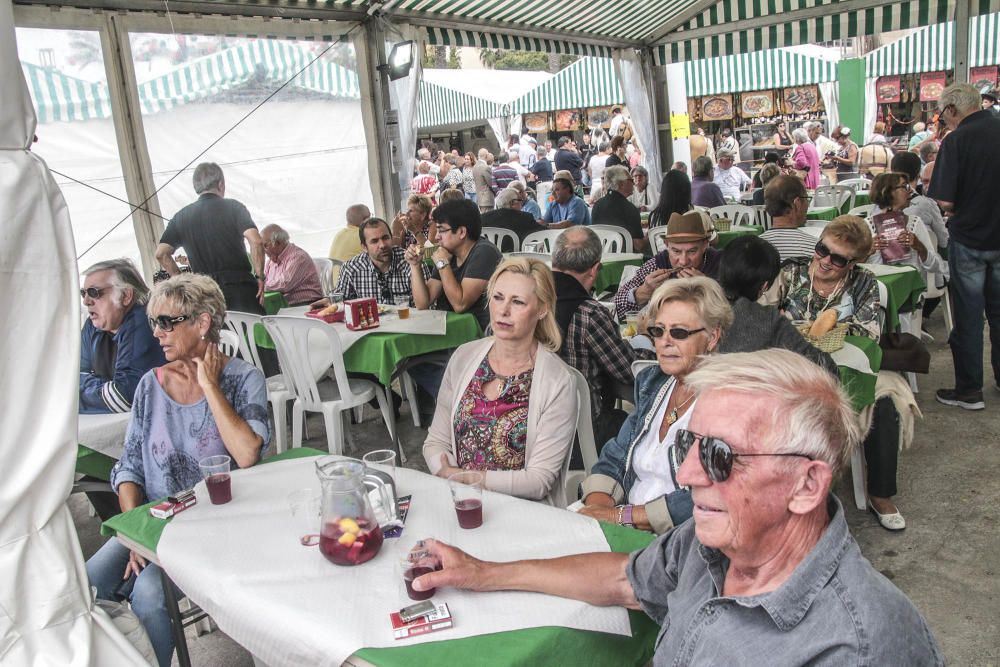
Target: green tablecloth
[
  {"x": 904, "y": 290},
  {"x": 379, "y": 354},
  {"x": 534, "y": 646},
  {"x": 273, "y": 302},
  {"x": 726, "y": 237},
  {"x": 610, "y": 274},
  {"x": 93, "y": 463},
  {"x": 823, "y": 213},
  {"x": 858, "y": 385},
  {"x": 860, "y": 199}
]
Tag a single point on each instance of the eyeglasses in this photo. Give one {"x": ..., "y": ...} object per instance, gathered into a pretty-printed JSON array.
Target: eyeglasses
[
  {"x": 677, "y": 333},
  {"x": 837, "y": 260},
  {"x": 443, "y": 230},
  {"x": 716, "y": 455},
  {"x": 902, "y": 187},
  {"x": 166, "y": 322},
  {"x": 93, "y": 292}
]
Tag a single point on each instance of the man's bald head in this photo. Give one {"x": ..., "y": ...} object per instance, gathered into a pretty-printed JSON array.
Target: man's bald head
[
  {"x": 275, "y": 240},
  {"x": 577, "y": 250},
  {"x": 357, "y": 214}
]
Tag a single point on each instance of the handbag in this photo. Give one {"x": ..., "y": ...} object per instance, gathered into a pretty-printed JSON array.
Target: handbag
[{"x": 905, "y": 353}]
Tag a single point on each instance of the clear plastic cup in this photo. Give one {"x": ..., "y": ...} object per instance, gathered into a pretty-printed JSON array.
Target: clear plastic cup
[
  {"x": 403, "y": 307},
  {"x": 215, "y": 471},
  {"x": 304, "y": 506},
  {"x": 467, "y": 494}
]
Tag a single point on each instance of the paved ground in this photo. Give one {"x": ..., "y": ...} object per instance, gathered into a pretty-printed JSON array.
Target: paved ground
[{"x": 947, "y": 560}]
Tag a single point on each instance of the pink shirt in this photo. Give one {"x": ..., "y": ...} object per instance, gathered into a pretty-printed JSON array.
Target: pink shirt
[
  {"x": 805, "y": 155},
  {"x": 294, "y": 275}
]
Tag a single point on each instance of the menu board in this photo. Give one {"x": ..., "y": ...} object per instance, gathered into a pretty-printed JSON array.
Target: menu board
[
  {"x": 599, "y": 117},
  {"x": 931, "y": 86},
  {"x": 801, "y": 99},
  {"x": 717, "y": 107},
  {"x": 887, "y": 89},
  {"x": 536, "y": 122},
  {"x": 755, "y": 105},
  {"x": 567, "y": 120},
  {"x": 982, "y": 77}
]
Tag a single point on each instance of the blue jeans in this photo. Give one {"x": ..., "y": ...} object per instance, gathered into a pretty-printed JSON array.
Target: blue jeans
[
  {"x": 974, "y": 288},
  {"x": 471, "y": 196},
  {"x": 145, "y": 592}
]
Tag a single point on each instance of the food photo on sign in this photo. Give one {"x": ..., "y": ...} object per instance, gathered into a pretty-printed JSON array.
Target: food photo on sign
[
  {"x": 983, "y": 77},
  {"x": 932, "y": 85},
  {"x": 717, "y": 107},
  {"x": 801, "y": 99},
  {"x": 537, "y": 122},
  {"x": 757, "y": 104},
  {"x": 599, "y": 117},
  {"x": 567, "y": 120},
  {"x": 887, "y": 90}
]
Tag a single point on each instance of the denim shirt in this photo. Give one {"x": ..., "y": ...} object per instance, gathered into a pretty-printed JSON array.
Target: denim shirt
[
  {"x": 835, "y": 608},
  {"x": 614, "y": 473}
]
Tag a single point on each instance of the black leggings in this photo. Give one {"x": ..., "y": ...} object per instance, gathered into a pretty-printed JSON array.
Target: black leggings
[{"x": 882, "y": 450}]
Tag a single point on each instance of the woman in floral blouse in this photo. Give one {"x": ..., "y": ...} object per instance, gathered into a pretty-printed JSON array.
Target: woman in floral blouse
[{"x": 507, "y": 404}]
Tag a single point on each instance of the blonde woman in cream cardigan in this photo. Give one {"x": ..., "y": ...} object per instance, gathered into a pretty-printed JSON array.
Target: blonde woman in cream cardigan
[{"x": 507, "y": 404}]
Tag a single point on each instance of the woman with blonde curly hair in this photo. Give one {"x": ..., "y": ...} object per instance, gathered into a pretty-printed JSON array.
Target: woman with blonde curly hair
[{"x": 507, "y": 402}]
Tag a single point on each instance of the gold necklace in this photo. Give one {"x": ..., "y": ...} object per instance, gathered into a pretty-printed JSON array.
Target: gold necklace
[{"x": 673, "y": 416}]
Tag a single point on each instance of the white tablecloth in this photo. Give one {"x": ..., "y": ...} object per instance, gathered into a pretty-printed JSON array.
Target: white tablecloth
[
  {"x": 241, "y": 562},
  {"x": 104, "y": 433}
]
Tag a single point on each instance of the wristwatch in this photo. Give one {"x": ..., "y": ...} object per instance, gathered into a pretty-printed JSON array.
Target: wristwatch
[
  {"x": 625, "y": 515},
  {"x": 440, "y": 264}
]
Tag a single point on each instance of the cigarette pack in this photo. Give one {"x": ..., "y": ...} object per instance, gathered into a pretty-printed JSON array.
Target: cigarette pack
[
  {"x": 439, "y": 620},
  {"x": 173, "y": 505},
  {"x": 361, "y": 313}
]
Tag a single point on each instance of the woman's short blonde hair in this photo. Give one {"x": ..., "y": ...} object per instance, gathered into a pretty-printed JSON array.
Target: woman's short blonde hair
[
  {"x": 192, "y": 294},
  {"x": 423, "y": 202},
  {"x": 546, "y": 330},
  {"x": 703, "y": 293},
  {"x": 853, "y": 232}
]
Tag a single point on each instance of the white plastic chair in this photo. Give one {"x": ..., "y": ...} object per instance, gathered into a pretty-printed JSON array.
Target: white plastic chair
[
  {"x": 243, "y": 325},
  {"x": 331, "y": 396},
  {"x": 496, "y": 235},
  {"x": 833, "y": 195},
  {"x": 763, "y": 218},
  {"x": 862, "y": 211},
  {"x": 613, "y": 238},
  {"x": 570, "y": 480},
  {"x": 657, "y": 239},
  {"x": 738, "y": 214},
  {"x": 546, "y": 236},
  {"x": 542, "y": 257},
  {"x": 859, "y": 184},
  {"x": 639, "y": 365},
  {"x": 229, "y": 342},
  {"x": 324, "y": 267}
]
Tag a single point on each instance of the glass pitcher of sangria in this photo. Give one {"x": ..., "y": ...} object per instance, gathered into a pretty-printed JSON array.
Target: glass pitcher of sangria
[{"x": 349, "y": 531}]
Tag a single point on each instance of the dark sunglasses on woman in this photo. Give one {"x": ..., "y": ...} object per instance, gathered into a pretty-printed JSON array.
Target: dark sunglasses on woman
[
  {"x": 166, "y": 322},
  {"x": 837, "y": 260},
  {"x": 676, "y": 333},
  {"x": 716, "y": 455}
]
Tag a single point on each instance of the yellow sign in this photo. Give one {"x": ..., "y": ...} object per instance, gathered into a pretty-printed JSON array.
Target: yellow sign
[{"x": 680, "y": 125}]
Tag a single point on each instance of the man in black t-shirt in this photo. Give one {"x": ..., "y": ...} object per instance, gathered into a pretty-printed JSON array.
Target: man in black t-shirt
[
  {"x": 614, "y": 208},
  {"x": 966, "y": 174},
  {"x": 212, "y": 231},
  {"x": 508, "y": 215},
  {"x": 568, "y": 159}
]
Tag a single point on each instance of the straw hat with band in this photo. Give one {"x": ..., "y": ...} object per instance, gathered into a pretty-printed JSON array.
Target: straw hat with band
[{"x": 689, "y": 227}]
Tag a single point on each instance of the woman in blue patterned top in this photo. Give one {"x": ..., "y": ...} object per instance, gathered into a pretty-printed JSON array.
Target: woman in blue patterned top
[{"x": 199, "y": 404}]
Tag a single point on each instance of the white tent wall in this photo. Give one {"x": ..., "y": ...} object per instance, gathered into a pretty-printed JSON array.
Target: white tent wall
[
  {"x": 46, "y": 616},
  {"x": 632, "y": 70},
  {"x": 404, "y": 94}
]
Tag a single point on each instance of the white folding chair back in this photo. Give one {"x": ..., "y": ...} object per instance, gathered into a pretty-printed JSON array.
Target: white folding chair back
[
  {"x": 330, "y": 396},
  {"x": 496, "y": 235},
  {"x": 542, "y": 257},
  {"x": 763, "y": 218},
  {"x": 546, "y": 236},
  {"x": 324, "y": 267},
  {"x": 859, "y": 184},
  {"x": 229, "y": 342},
  {"x": 639, "y": 365},
  {"x": 862, "y": 211},
  {"x": 833, "y": 195},
  {"x": 657, "y": 239},
  {"x": 565, "y": 492},
  {"x": 814, "y": 227},
  {"x": 738, "y": 214},
  {"x": 613, "y": 238},
  {"x": 243, "y": 325}
]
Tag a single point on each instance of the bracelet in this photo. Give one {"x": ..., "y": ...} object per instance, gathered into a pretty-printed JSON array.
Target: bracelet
[{"x": 620, "y": 508}]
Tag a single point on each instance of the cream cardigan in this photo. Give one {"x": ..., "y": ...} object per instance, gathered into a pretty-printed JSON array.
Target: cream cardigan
[{"x": 552, "y": 414}]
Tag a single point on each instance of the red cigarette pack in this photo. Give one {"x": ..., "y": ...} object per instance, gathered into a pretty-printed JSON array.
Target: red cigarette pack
[
  {"x": 361, "y": 314},
  {"x": 439, "y": 620}
]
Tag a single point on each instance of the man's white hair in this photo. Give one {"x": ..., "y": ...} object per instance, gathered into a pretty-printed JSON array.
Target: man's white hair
[
  {"x": 810, "y": 413},
  {"x": 614, "y": 176},
  {"x": 918, "y": 127},
  {"x": 963, "y": 96}
]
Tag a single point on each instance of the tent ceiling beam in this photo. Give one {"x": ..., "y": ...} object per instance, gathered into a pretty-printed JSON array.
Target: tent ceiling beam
[
  {"x": 677, "y": 21},
  {"x": 842, "y": 7},
  {"x": 200, "y": 7}
]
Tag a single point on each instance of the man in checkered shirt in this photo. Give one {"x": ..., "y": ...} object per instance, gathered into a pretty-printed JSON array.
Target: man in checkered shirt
[
  {"x": 591, "y": 341},
  {"x": 380, "y": 271}
]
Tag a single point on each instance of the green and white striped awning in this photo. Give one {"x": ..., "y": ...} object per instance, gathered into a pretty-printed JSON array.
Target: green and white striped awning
[
  {"x": 984, "y": 40},
  {"x": 930, "y": 49},
  {"x": 512, "y": 42},
  {"x": 58, "y": 97},
  {"x": 444, "y": 106},
  {"x": 589, "y": 82},
  {"x": 759, "y": 70}
]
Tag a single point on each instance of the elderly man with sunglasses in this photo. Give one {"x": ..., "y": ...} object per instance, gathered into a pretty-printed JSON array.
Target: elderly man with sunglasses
[
  {"x": 767, "y": 572},
  {"x": 117, "y": 346}
]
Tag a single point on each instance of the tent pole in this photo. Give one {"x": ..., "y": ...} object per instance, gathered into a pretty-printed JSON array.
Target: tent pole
[
  {"x": 369, "y": 45},
  {"x": 132, "y": 148},
  {"x": 962, "y": 12}
]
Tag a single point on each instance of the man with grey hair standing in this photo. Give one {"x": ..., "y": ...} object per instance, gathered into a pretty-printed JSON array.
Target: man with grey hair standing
[
  {"x": 289, "y": 269},
  {"x": 591, "y": 341},
  {"x": 732, "y": 180},
  {"x": 345, "y": 243},
  {"x": 212, "y": 231},
  {"x": 486, "y": 185},
  {"x": 767, "y": 571},
  {"x": 117, "y": 346},
  {"x": 614, "y": 208},
  {"x": 966, "y": 174}
]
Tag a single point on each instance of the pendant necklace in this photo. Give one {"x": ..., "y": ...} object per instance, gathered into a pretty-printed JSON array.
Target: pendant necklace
[{"x": 673, "y": 416}]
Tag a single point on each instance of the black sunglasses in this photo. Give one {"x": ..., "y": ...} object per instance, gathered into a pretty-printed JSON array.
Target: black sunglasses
[
  {"x": 716, "y": 455},
  {"x": 676, "y": 333},
  {"x": 93, "y": 292},
  {"x": 166, "y": 323},
  {"x": 837, "y": 260}
]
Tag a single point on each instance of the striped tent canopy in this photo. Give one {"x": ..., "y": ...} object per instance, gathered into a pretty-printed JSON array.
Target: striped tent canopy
[
  {"x": 929, "y": 49},
  {"x": 774, "y": 68},
  {"x": 58, "y": 97},
  {"x": 589, "y": 82},
  {"x": 984, "y": 40},
  {"x": 443, "y": 106}
]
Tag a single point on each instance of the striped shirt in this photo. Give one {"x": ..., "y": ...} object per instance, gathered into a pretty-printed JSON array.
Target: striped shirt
[{"x": 791, "y": 242}]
